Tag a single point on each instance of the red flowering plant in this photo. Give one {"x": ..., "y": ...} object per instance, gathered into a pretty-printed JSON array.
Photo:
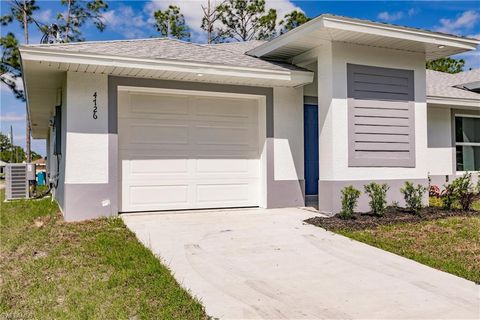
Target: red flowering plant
[{"x": 434, "y": 191}]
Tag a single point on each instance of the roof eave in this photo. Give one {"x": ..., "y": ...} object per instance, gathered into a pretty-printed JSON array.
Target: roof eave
[
  {"x": 453, "y": 101},
  {"x": 355, "y": 25},
  {"x": 297, "y": 77}
]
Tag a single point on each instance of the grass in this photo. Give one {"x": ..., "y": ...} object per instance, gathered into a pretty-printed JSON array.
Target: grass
[
  {"x": 451, "y": 244},
  {"x": 89, "y": 270}
]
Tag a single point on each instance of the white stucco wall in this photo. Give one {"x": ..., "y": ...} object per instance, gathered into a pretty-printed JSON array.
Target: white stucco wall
[
  {"x": 333, "y": 96},
  {"x": 440, "y": 152},
  {"x": 325, "y": 113},
  {"x": 288, "y": 133},
  {"x": 87, "y": 152}
]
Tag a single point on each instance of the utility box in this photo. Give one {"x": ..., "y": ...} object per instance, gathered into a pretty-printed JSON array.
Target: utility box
[
  {"x": 17, "y": 180},
  {"x": 16, "y": 183},
  {"x": 31, "y": 171}
]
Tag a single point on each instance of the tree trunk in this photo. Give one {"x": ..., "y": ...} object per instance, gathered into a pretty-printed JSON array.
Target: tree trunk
[
  {"x": 209, "y": 25},
  {"x": 28, "y": 142}
]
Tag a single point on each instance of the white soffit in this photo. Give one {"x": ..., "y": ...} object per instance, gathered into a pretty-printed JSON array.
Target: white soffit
[
  {"x": 162, "y": 69},
  {"x": 362, "y": 32}
]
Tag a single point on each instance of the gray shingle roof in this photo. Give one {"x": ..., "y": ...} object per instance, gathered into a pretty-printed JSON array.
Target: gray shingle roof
[
  {"x": 238, "y": 47},
  {"x": 441, "y": 84},
  {"x": 170, "y": 49}
]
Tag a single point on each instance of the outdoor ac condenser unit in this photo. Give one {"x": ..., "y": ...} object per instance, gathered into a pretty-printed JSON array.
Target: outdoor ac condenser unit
[{"x": 17, "y": 177}]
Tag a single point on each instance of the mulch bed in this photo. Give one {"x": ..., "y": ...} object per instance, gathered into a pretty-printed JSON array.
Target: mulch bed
[{"x": 363, "y": 221}]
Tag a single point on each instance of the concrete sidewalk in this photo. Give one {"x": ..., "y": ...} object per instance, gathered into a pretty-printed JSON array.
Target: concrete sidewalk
[{"x": 257, "y": 263}]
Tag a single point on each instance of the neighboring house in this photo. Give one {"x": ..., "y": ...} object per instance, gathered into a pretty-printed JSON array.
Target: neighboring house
[
  {"x": 2, "y": 166},
  {"x": 160, "y": 124},
  {"x": 40, "y": 165}
]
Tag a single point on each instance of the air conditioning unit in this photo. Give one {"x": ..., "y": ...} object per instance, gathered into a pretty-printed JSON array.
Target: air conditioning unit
[{"x": 17, "y": 177}]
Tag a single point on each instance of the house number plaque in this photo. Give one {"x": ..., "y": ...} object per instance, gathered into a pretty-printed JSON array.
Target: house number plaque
[{"x": 95, "y": 116}]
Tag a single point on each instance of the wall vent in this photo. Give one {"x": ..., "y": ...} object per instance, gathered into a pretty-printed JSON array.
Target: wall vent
[{"x": 381, "y": 117}]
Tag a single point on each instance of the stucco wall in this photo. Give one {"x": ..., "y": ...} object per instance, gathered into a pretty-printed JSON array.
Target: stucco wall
[
  {"x": 288, "y": 133},
  {"x": 87, "y": 189},
  {"x": 333, "y": 122},
  {"x": 440, "y": 150},
  {"x": 285, "y": 165},
  {"x": 343, "y": 54},
  {"x": 87, "y": 137}
]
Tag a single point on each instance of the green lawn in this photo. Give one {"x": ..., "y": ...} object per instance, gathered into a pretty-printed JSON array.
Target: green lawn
[
  {"x": 90, "y": 270},
  {"x": 450, "y": 244}
]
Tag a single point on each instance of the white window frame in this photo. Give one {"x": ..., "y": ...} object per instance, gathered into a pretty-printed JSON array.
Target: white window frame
[{"x": 472, "y": 144}]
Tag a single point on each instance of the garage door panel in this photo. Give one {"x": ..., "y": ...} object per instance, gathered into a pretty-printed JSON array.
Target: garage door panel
[
  {"x": 223, "y": 135},
  {"x": 206, "y": 155},
  {"x": 216, "y": 109},
  {"x": 222, "y": 193},
  {"x": 151, "y": 104},
  {"x": 159, "y": 166},
  {"x": 235, "y": 168},
  {"x": 155, "y": 134},
  {"x": 220, "y": 165},
  {"x": 159, "y": 195}
]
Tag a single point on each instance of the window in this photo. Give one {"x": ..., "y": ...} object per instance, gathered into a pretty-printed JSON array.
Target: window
[{"x": 467, "y": 142}]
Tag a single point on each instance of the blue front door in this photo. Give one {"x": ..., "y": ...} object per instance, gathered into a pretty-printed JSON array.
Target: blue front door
[{"x": 310, "y": 122}]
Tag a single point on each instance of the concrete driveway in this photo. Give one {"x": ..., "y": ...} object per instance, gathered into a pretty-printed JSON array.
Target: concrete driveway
[{"x": 256, "y": 263}]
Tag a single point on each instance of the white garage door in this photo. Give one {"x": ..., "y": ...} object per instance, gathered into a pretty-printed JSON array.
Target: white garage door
[{"x": 187, "y": 152}]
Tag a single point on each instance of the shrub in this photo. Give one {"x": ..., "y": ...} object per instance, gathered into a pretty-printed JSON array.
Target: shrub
[
  {"x": 413, "y": 196},
  {"x": 448, "y": 196},
  {"x": 378, "y": 197},
  {"x": 434, "y": 191},
  {"x": 435, "y": 202},
  {"x": 350, "y": 197},
  {"x": 464, "y": 191}
]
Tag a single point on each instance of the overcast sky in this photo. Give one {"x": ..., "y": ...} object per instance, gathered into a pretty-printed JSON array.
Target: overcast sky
[{"x": 133, "y": 19}]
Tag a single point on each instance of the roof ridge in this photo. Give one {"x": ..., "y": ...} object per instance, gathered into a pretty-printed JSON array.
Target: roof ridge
[
  {"x": 236, "y": 42},
  {"x": 216, "y": 46},
  {"x": 109, "y": 41},
  {"x": 225, "y": 50}
]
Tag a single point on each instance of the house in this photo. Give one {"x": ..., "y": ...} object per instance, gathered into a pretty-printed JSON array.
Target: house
[
  {"x": 161, "y": 124},
  {"x": 40, "y": 165},
  {"x": 2, "y": 167}
]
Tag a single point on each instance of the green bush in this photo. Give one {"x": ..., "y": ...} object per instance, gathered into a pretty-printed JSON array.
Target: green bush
[
  {"x": 461, "y": 191},
  {"x": 350, "y": 197},
  {"x": 448, "y": 196},
  {"x": 413, "y": 196},
  {"x": 464, "y": 191},
  {"x": 435, "y": 202},
  {"x": 378, "y": 197}
]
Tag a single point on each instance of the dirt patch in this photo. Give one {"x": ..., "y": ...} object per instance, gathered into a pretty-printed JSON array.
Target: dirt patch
[{"x": 363, "y": 221}]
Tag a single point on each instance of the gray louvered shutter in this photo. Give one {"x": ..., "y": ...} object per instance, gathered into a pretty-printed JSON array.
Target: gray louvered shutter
[{"x": 381, "y": 117}]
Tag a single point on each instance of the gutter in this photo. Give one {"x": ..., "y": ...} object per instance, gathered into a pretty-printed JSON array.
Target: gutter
[{"x": 453, "y": 101}]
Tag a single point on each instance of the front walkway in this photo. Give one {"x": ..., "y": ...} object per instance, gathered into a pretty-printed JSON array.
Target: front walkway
[{"x": 258, "y": 263}]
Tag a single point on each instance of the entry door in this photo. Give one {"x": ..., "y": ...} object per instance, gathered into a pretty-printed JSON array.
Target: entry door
[
  {"x": 188, "y": 152},
  {"x": 311, "y": 149}
]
